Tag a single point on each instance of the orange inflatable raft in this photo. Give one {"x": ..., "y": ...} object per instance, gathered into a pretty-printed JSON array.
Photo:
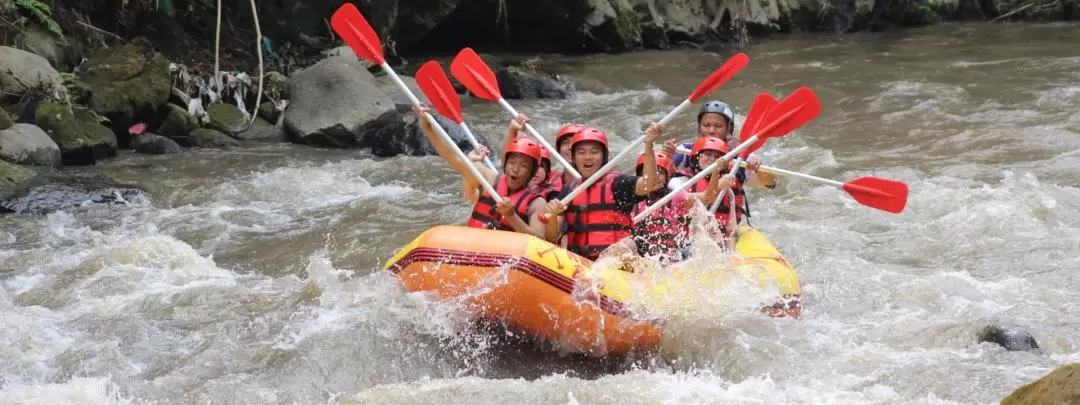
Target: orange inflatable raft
[{"x": 532, "y": 285}]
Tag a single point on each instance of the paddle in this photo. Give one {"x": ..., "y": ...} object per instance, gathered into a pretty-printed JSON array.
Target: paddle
[
  {"x": 471, "y": 71},
  {"x": 355, "y": 30},
  {"x": 437, "y": 87},
  {"x": 722, "y": 74},
  {"x": 796, "y": 109},
  {"x": 761, "y": 106}
]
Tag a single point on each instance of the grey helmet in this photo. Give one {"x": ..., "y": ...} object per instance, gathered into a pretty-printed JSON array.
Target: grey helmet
[{"x": 719, "y": 107}]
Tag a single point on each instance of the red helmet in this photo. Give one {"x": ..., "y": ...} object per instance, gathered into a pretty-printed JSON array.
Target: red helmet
[
  {"x": 567, "y": 130},
  {"x": 524, "y": 146},
  {"x": 663, "y": 161},
  {"x": 545, "y": 158},
  {"x": 589, "y": 134},
  {"x": 708, "y": 143}
]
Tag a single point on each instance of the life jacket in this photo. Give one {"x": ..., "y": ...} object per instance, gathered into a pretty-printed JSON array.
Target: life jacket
[
  {"x": 593, "y": 222},
  {"x": 723, "y": 211},
  {"x": 665, "y": 232},
  {"x": 553, "y": 186},
  {"x": 484, "y": 214}
]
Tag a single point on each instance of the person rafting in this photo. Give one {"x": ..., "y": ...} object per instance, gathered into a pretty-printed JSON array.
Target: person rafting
[
  {"x": 519, "y": 205},
  {"x": 600, "y": 216},
  {"x": 554, "y": 179},
  {"x": 716, "y": 119},
  {"x": 704, "y": 152}
]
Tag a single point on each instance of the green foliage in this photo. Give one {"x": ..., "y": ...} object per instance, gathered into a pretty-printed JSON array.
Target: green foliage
[{"x": 43, "y": 13}]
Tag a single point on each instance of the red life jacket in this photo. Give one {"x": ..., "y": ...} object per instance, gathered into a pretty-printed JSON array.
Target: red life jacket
[
  {"x": 721, "y": 213},
  {"x": 484, "y": 214},
  {"x": 592, "y": 221},
  {"x": 665, "y": 232}
]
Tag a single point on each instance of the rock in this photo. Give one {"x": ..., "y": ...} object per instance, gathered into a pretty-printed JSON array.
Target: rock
[
  {"x": 154, "y": 144},
  {"x": 346, "y": 51},
  {"x": 226, "y": 118},
  {"x": 128, "y": 84},
  {"x": 13, "y": 178},
  {"x": 209, "y": 138},
  {"x": 1060, "y": 387},
  {"x": 398, "y": 132},
  {"x": 41, "y": 42},
  {"x": 82, "y": 139},
  {"x": 177, "y": 123},
  {"x": 331, "y": 103},
  {"x": 261, "y": 130},
  {"x": 5, "y": 120},
  {"x": 23, "y": 71},
  {"x": 58, "y": 190},
  {"x": 1011, "y": 337},
  {"x": 517, "y": 82},
  {"x": 391, "y": 89},
  {"x": 27, "y": 144},
  {"x": 268, "y": 111}
]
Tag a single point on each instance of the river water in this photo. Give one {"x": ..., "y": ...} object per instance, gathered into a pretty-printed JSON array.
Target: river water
[{"x": 254, "y": 275}]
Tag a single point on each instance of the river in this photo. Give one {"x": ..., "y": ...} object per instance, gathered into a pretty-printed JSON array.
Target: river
[{"x": 253, "y": 275}]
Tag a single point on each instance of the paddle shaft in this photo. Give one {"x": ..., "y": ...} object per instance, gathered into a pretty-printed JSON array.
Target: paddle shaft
[
  {"x": 554, "y": 152},
  {"x": 442, "y": 133},
  {"x": 476, "y": 145},
  {"x": 627, "y": 150},
  {"x": 782, "y": 172},
  {"x": 693, "y": 180}
]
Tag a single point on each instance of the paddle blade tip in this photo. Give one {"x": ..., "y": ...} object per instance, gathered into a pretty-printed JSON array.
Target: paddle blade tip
[
  {"x": 433, "y": 81},
  {"x": 469, "y": 69},
  {"x": 351, "y": 25},
  {"x": 884, "y": 194}
]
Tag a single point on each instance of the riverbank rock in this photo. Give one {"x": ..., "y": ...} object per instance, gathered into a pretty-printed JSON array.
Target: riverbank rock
[
  {"x": 81, "y": 138},
  {"x": 177, "y": 123},
  {"x": 154, "y": 144},
  {"x": 28, "y": 145},
  {"x": 1060, "y": 387},
  {"x": 387, "y": 85},
  {"x": 22, "y": 71},
  {"x": 226, "y": 118},
  {"x": 127, "y": 85},
  {"x": 13, "y": 179},
  {"x": 1011, "y": 337},
  {"x": 52, "y": 190},
  {"x": 332, "y": 103},
  {"x": 5, "y": 120},
  {"x": 398, "y": 132},
  {"x": 210, "y": 138},
  {"x": 262, "y": 130},
  {"x": 58, "y": 51}
]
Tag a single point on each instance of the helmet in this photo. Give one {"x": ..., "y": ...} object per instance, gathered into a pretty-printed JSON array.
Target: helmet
[
  {"x": 545, "y": 158},
  {"x": 708, "y": 143},
  {"x": 567, "y": 130},
  {"x": 663, "y": 161},
  {"x": 719, "y": 107},
  {"x": 590, "y": 134},
  {"x": 524, "y": 146}
]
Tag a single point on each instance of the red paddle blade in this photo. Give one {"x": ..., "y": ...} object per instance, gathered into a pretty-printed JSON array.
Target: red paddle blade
[
  {"x": 796, "y": 109},
  {"x": 355, "y": 30},
  {"x": 883, "y": 194},
  {"x": 471, "y": 71},
  {"x": 437, "y": 87},
  {"x": 724, "y": 73},
  {"x": 758, "y": 110}
]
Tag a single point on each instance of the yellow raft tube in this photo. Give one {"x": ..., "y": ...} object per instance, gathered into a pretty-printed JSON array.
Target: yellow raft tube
[{"x": 529, "y": 285}]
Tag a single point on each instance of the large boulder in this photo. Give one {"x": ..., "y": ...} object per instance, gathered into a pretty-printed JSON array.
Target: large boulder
[
  {"x": 262, "y": 130},
  {"x": 27, "y": 144},
  {"x": 1060, "y": 387},
  {"x": 154, "y": 144},
  {"x": 81, "y": 137},
  {"x": 387, "y": 85},
  {"x": 51, "y": 190},
  {"x": 226, "y": 118},
  {"x": 332, "y": 103},
  {"x": 128, "y": 84},
  {"x": 13, "y": 179},
  {"x": 209, "y": 138},
  {"x": 23, "y": 72},
  {"x": 398, "y": 132},
  {"x": 177, "y": 123},
  {"x": 57, "y": 50}
]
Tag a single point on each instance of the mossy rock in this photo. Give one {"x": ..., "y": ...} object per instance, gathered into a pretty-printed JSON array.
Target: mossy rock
[
  {"x": 5, "y": 120},
  {"x": 1059, "y": 387},
  {"x": 177, "y": 124},
  {"x": 127, "y": 84},
  {"x": 12, "y": 178},
  {"x": 209, "y": 138},
  {"x": 82, "y": 139},
  {"x": 226, "y": 118}
]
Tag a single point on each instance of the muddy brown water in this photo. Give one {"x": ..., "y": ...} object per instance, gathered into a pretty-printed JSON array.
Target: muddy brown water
[{"x": 254, "y": 275}]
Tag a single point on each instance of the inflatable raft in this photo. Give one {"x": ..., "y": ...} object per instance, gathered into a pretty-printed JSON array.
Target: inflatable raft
[{"x": 543, "y": 290}]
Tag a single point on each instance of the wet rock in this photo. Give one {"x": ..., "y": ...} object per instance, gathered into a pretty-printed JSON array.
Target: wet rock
[
  {"x": 82, "y": 139},
  {"x": 522, "y": 82},
  {"x": 261, "y": 130},
  {"x": 62, "y": 190},
  {"x": 209, "y": 138},
  {"x": 154, "y": 144},
  {"x": 5, "y": 120},
  {"x": 23, "y": 71},
  {"x": 1011, "y": 337},
  {"x": 14, "y": 179},
  {"x": 398, "y": 132},
  {"x": 28, "y": 145},
  {"x": 394, "y": 91},
  {"x": 177, "y": 123},
  {"x": 128, "y": 84},
  {"x": 226, "y": 118},
  {"x": 332, "y": 103},
  {"x": 1060, "y": 387}
]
